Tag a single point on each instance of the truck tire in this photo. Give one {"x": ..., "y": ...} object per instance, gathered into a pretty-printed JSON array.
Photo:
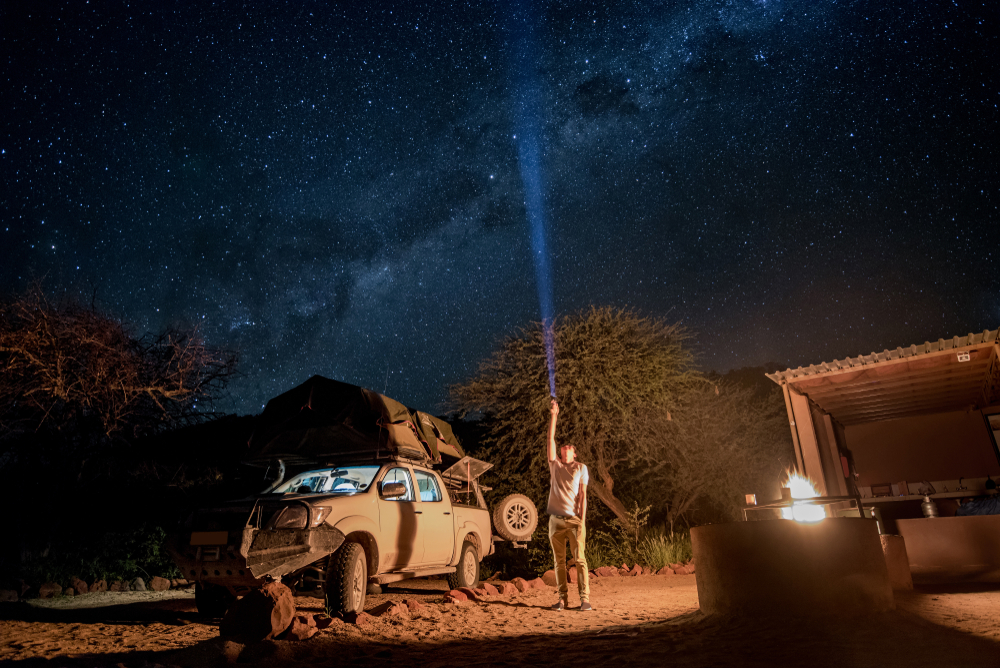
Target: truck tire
[
  {"x": 212, "y": 600},
  {"x": 467, "y": 573},
  {"x": 347, "y": 579},
  {"x": 515, "y": 518}
]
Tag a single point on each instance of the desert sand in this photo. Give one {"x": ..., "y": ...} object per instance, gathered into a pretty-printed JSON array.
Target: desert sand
[{"x": 640, "y": 621}]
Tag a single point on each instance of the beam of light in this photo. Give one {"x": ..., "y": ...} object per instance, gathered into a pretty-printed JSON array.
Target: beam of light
[{"x": 524, "y": 57}]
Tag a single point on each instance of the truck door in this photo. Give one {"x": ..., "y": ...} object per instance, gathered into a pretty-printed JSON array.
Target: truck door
[
  {"x": 436, "y": 522},
  {"x": 400, "y": 544}
]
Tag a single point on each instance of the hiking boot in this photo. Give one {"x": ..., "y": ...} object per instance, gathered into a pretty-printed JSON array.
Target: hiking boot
[
  {"x": 586, "y": 606},
  {"x": 560, "y": 605}
]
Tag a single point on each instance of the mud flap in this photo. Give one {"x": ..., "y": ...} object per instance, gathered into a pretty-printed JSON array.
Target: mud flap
[{"x": 279, "y": 552}]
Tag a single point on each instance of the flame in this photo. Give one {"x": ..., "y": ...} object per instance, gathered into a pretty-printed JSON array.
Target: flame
[{"x": 802, "y": 488}]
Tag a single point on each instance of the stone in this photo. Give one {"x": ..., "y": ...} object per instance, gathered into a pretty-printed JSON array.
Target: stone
[
  {"x": 118, "y": 586},
  {"x": 636, "y": 570},
  {"x": 49, "y": 590},
  {"x": 302, "y": 627},
  {"x": 69, "y": 591},
  {"x": 358, "y": 618},
  {"x": 520, "y": 584},
  {"x": 624, "y": 571},
  {"x": 682, "y": 570},
  {"x": 138, "y": 585},
  {"x": 675, "y": 566},
  {"x": 572, "y": 576},
  {"x": 457, "y": 595},
  {"x": 159, "y": 584},
  {"x": 231, "y": 651},
  {"x": 79, "y": 585},
  {"x": 537, "y": 583},
  {"x": 262, "y": 614},
  {"x": 8, "y": 596},
  {"x": 666, "y": 570},
  {"x": 326, "y": 622},
  {"x": 391, "y": 609},
  {"x": 490, "y": 589},
  {"x": 607, "y": 572},
  {"x": 99, "y": 585},
  {"x": 507, "y": 589},
  {"x": 413, "y": 604},
  {"x": 470, "y": 594},
  {"x": 549, "y": 578}
]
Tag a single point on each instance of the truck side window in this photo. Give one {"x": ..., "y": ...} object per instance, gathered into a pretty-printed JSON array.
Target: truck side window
[
  {"x": 427, "y": 484},
  {"x": 403, "y": 476}
]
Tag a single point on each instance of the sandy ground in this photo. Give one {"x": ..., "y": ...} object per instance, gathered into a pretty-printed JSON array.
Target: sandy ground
[{"x": 644, "y": 621}]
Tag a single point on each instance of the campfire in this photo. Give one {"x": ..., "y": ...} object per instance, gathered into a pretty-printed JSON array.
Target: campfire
[{"x": 802, "y": 488}]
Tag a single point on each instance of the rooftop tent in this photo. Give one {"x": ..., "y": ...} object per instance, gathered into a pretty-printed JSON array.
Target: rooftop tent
[{"x": 323, "y": 418}]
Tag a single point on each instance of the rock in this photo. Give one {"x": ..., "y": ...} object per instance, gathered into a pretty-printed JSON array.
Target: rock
[
  {"x": 683, "y": 570},
  {"x": 666, "y": 570},
  {"x": 690, "y": 567},
  {"x": 302, "y": 627},
  {"x": 572, "y": 576},
  {"x": 100, "y": 585},
  {"x": 636, "y": 570},
  {"x": 231, "y": 651},
  {"x": 413, "y": 604},
  {"x": 49, "y": 590},
  {"x": 537, "y": 583},
  {"x": 507, "y": 589},
  {"x": 549, "y": 578},
  {"x": 489, "y": 589},
  {"x": 119, "y": 586},
  {"x": 139, "y": 585},
  {"x": 8, "y": 596},
  {"x": 624, "y": 571},
  {"x": 470, "y": 594},
  {"x": 69, "y": 591},
  {"x": 78, "y": 585},
  {"x": 391, "y": 609},
  {"x": 326, "y": 622},
  {"x": 675, "y": 566},
  {"x": 260, "y": 615},
  {"x": 607, "y": 572},
  {"x": 457, "y": 595},
  {"x": 520, "y": 584},
  {"x": 358, "y": 618},
  {"x": 159, "y": 584}
]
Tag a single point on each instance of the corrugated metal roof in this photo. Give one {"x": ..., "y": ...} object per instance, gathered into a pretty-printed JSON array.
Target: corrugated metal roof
[{"x": 931, "y": 377}]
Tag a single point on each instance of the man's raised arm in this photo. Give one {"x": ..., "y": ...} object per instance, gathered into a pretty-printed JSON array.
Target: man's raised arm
[{"x": 552, "y": 430}]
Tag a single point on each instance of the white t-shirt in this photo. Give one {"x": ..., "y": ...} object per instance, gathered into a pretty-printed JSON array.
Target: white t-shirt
[{"x": 564, "y": 485}]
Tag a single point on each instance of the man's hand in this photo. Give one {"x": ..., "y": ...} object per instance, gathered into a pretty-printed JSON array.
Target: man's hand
[{"x": 554, "y": 409}]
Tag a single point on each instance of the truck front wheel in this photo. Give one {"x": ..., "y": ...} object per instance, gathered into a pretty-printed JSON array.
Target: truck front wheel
[
  {"x": 212, "y": 600},
  {"x": 347, "y": 579},
  {"x": 467, "y": 573}
]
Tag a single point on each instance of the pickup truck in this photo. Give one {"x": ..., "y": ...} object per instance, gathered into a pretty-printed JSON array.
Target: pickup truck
[{"x": 355, "y": 514}]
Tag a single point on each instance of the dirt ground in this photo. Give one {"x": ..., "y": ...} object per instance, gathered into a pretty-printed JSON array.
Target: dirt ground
[{"x": 638, "y": 622}]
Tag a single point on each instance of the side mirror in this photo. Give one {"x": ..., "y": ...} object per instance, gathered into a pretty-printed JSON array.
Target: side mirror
[{"x": 393, "y": 490}]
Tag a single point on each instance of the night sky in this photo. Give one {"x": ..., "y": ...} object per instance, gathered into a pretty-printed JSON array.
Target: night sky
[{"x": 334, "y": 188}]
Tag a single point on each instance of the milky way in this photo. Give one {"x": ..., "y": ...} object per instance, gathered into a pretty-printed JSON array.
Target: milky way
[{"x": 336, "y": 190}]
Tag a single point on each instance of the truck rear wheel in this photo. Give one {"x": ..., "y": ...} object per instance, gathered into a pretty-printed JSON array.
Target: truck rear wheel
[
  {"x": 467, "y": 573},
  {"x": 515, "y": 518},
  {"x": 212, "y": 600},
  {"x": 347, "y": 579}
]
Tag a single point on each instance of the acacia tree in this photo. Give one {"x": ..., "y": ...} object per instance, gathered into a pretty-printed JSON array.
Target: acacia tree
[
  {"x": 721, "y": 442},
  {"x": 613, "y": 367},
  {"x": 69, "y": 368}
]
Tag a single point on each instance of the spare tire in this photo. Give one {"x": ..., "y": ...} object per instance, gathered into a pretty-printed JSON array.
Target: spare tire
[{"x": 515, "y": 518}]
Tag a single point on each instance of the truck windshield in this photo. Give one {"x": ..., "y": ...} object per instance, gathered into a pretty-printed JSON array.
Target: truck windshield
[{"x": 340, "y": 480}]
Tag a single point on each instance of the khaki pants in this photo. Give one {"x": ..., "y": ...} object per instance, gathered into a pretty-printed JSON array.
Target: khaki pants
[{"x": 575, "y": 532}]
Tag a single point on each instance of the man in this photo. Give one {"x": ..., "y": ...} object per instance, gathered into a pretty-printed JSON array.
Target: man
[{"x": 567, "y": 510}]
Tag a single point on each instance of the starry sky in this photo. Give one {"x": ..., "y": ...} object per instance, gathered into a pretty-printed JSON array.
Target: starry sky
[{"x": 334, "y": 188}]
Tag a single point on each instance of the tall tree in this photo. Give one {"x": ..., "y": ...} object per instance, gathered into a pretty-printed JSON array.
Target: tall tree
[
  {"x": 70, "y": 369},
  {"x": 613, "y": 368}
]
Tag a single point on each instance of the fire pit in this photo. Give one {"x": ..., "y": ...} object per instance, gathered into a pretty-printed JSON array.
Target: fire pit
[{"x": 831, "y": 566}]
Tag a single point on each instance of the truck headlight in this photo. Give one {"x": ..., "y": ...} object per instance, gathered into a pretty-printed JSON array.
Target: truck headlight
[{"x": 292, "y": 517}]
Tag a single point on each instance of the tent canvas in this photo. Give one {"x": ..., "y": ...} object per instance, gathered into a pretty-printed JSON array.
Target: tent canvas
[{"x": 323, "y": 419}]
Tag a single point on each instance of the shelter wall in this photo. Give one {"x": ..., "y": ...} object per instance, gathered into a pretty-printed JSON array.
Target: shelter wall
[{"x": 939, "y": 446}]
